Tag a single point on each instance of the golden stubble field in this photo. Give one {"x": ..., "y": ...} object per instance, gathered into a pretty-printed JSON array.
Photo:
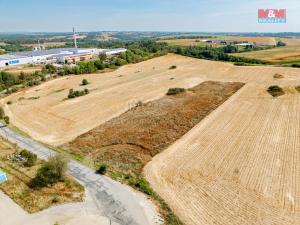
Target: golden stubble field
[
  {"x": 46, "y": 115},
  {"x": 240, "y": 165}
]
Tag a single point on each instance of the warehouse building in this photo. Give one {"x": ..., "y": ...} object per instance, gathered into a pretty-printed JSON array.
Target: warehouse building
[{"x": 58, "y": 55}]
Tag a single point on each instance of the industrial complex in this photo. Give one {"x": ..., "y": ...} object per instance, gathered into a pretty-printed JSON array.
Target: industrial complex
[
  {"x": 58, "y": 55},
  {"x": 39, "y": 55}
]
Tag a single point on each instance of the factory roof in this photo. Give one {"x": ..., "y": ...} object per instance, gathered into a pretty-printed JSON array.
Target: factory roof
[
  {"x": 10, "y": 56},
  {"x": 55, "y": 51}
]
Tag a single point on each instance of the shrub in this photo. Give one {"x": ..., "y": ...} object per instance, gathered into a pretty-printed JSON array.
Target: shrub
[
  {"x": 99, "y": 65},
  {"x": 275, "y": 91},
  {"x": 241, "y": 64},
  {"x": 2, "y": 114},
  {"x": 297, "y": 88},
  {"x": 142, "y": 185},
  {"x": 51, "y": 172},
  {"x": 75, "y": 94},
  {"x": 84, "y": 82},
  {"x": 174, "y": 91},
  {"x": 173, "y": 67},
  {"x": 6, "y": 119},
  {"x": 278, "y": 76},
  {"x": 280, "y": 44},
  {"x": 296, "y": 65},
  {"x": 30, "y": 158},
  {"x": 9, "y": 102},
  {"x": 22, "y": 75},
  {"x": 102, "y": 169},
  {"x": 50, "y": 68}
]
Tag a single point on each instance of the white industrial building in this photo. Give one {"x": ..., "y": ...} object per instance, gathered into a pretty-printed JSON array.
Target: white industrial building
[{"x": 57, "y": 55}]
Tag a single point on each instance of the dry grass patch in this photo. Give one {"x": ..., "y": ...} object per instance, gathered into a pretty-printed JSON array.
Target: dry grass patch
[
  {"x": 19, "y": 177},
  {"x": 278, "y": 76}
]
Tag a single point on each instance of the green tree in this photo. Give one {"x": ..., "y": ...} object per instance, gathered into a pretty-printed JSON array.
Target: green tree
[
  {"x": 102, "y": 169},
  {"x": 50, "y": 68},
  {"x": 51, "y": 172},
  {"x": 280, "y": 44},
  {"x": 6, "y": 120},
  {"x": 99, "y": 65},
  {"x": 2, "y": 114},
  {"x": 102, "y": 57},
  {"x": 84, "y": 82}
]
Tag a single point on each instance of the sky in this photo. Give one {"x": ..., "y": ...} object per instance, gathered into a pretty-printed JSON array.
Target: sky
[{"x": 144, "y": 15}]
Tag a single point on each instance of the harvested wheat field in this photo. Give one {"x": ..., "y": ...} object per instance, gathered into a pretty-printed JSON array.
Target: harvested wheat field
[
  {"x": 240, "y": 165},
  {"x": 45, "y": 113}
]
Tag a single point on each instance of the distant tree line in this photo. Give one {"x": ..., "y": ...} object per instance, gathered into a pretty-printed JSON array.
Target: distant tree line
[{"x": 217, "y": 54}]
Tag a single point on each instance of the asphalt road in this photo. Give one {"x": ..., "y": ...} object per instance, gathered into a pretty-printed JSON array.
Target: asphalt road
[{"x": 120, "y": 203}]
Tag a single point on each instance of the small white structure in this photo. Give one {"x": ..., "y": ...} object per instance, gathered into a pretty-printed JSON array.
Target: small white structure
[
  {"x": 115, "y": 51},
  {"x": 245, "y": 44}
]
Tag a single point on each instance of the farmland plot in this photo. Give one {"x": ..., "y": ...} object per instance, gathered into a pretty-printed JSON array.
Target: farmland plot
[
  {"x": 240, "y": 165},
  {"x": 46, "y": 115}
]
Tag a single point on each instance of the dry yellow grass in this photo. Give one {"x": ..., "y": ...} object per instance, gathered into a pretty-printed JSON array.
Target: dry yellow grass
[
  {"x": 26, "y": 69},
  {"x": 18, "y": 189}
]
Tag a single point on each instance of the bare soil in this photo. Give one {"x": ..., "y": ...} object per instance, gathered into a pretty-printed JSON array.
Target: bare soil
[{"x": 128, "y": 142}]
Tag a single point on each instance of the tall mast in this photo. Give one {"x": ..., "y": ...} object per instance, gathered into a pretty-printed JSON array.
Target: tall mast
[
  {"x": 39, "y": 45},
  {"x": 74, "y": 35}
]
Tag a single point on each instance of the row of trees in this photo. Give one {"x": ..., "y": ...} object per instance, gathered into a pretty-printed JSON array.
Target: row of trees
[
  {"x": 136, "y": 52},
  {"x": 217, "y": 54}
]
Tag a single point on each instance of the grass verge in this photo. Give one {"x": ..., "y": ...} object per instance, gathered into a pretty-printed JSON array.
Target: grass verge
[{"x": 142, "y": 185}]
